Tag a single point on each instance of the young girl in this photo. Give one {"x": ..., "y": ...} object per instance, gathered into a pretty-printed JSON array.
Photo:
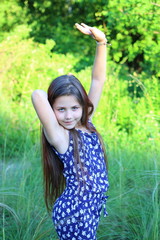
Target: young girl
[{"x": 74, "y": 166}]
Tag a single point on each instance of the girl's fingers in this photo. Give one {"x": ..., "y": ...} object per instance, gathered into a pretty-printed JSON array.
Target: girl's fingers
[
  {"x": 92, "y": 31},
  {"x": 83, "y": 28},
  {"x": 85, "y": 25}
]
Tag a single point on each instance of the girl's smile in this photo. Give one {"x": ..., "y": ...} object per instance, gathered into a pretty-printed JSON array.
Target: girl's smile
[{"x": 68, "y": 111}]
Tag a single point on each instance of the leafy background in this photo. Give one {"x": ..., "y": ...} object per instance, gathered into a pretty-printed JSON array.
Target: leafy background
[{"x": 38, "y": 42}]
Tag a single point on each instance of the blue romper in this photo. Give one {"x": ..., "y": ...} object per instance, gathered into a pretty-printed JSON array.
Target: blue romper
[{"x": 77, "y": 211}]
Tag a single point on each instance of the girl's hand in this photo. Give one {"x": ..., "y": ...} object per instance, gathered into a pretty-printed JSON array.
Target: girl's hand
[{"x": 95, "y": 33}]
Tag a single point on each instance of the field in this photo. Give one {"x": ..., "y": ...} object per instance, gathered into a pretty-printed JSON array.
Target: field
[{"x": 128, "y": 119}]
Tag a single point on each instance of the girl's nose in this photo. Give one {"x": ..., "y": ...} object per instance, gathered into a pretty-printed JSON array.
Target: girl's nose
[{"x": 68, "y": 115}]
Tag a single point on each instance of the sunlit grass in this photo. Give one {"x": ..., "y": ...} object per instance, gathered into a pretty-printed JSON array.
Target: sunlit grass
[
  {"x": 22, "y": 205},
  {"x": 133, "y": 203},
  {"x": 134, "y": 198}
]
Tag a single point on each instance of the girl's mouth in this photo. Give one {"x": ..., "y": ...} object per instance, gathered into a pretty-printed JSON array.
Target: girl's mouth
[{"x": 68, "y": 122}]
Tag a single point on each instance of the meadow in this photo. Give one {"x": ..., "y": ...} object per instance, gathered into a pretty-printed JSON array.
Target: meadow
[{"x": 128, "y": 119}]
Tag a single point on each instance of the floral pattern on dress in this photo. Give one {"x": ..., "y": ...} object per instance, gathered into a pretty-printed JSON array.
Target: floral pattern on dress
[{"x": 77, "y": 211}]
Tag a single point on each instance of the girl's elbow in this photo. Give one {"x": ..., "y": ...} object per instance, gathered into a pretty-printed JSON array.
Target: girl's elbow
[{"x": 38, "y": 94}]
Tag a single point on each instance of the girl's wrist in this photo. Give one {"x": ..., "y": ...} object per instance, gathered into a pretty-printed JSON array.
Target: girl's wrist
[{"x": 102, "y": 42}]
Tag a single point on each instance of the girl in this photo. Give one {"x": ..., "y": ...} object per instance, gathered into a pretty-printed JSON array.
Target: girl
[{"x": 73, "y": 154}]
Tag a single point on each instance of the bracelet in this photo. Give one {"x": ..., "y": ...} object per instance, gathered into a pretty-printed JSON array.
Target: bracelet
[{"x": 103, "y": 43}]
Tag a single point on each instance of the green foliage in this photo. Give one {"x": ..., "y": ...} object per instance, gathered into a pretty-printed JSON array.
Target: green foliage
[
  {"x": 25, "y": 66},
  {"x": 130, "y": 116},
  {"x": 127, "y": 117},
  {"x": 132, "y": 27},
  {"x": 11, "y": 15}
]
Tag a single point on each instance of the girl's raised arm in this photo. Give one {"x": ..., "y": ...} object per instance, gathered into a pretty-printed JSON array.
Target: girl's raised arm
[
  {"x": 53, "y": 131},
  {"x": 99, "y": 67}
]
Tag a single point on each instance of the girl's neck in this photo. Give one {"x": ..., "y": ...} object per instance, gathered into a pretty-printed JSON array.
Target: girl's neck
[{"x": 82, "y": 128}]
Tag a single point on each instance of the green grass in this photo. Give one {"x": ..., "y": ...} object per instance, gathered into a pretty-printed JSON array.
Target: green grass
[
  {"x": 133, "y": 203},
  {"x": 22, "y": 206}
]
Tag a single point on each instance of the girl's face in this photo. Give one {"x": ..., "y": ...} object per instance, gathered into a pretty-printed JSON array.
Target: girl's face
[{"x": 68, "y": 111}]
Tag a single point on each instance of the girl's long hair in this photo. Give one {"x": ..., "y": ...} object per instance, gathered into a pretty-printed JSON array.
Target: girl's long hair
[{"x": 54, "y": 181}]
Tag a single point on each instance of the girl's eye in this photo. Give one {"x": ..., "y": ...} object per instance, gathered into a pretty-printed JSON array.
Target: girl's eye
[
  {"x": 61, "y": 109},
  {"x": 75, "y": 108}
]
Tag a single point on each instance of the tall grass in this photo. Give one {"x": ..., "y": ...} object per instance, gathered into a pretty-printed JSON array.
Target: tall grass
[
  {"x": 128, "y": 123},
  {"x": 22, "y": 207},
  {"x": 133, "y": 203},
  {"x": 134, "y": 196}
]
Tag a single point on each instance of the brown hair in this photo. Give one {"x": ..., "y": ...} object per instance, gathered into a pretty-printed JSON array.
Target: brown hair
[{"x": 54, "y": 181}]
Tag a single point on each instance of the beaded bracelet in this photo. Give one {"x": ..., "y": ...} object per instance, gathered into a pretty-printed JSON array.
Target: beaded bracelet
[{"x": 103, "y": 43}]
